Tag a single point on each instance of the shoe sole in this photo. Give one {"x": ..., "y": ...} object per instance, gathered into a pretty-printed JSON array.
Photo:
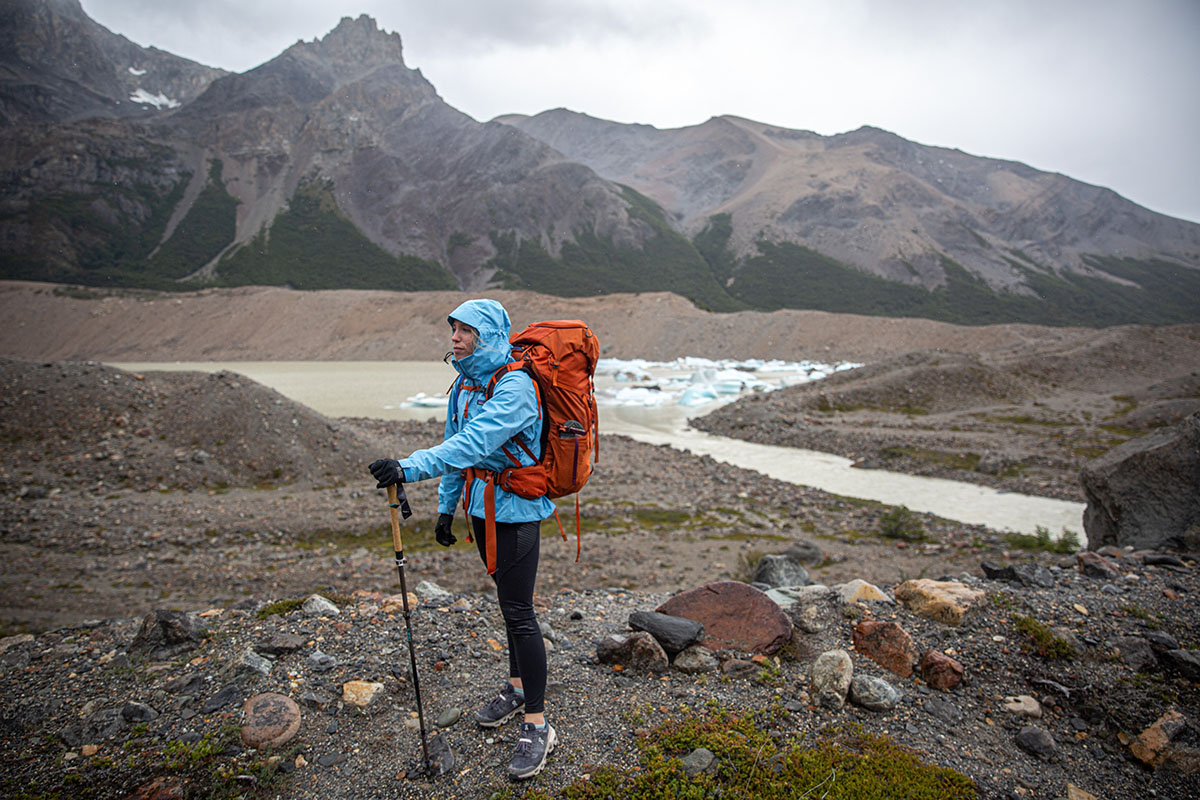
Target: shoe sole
[
  {"x": 502, "y": 720},
  {"x": 551, "y": 741}
]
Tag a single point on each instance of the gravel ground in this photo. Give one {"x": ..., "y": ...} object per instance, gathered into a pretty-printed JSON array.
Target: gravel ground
[{"x": 121, "y": 494}]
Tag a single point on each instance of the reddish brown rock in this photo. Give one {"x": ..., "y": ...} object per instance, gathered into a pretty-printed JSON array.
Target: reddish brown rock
[
  {"x": 887, "y": 644},
  {"x": 940, "y": 671},
  {"x": 271, "y": 720},
  {"x": 735, "y": 616}
]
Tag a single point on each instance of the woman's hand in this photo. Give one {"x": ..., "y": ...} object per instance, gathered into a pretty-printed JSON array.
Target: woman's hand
[{"x": 387, "y": 471}]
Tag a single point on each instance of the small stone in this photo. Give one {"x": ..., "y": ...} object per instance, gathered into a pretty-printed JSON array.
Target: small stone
[
  {"x": 280, "y": 644},
  {"x": 695, "y": 660},
  {"x": 449, "y": 717},
  {"x": 885, "y": 643},
  {"x": 89, "y": 750},
  {"x": 940, "y": 671},
  {"x": 859, "y": 591},
  {"x": 319, "y": 662},
  {"x": 318, "y": 606},
  {"x": 941, "y": 601},
  {"x": 430, "y": 592},
  {"x": 1037, "y": 742},
  {"x": 698, "y": 761},
  {"x": 138, "y": 712},
  {"x": 674, "y": 634},
  {"x": 872, "y": 693},
  {"x": 361, "y": 693},
  {"x": 1023, "y": 706},
  {"x": 227, "y": 695},
  {"x": 253, "y": 662},
  {"x": 830, "y": 678},
  {"x": 1151, "y": 745}
]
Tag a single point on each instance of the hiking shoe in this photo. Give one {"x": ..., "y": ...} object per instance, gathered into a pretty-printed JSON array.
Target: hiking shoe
[
  {"x": 529, "y": 756},
  {"x": 501, "y": 708}
]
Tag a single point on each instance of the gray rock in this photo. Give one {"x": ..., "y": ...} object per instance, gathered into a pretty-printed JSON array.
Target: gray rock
[
  {"x": 449, "y": 717},
  {"x": 319, "y": 662},
  {"x": 1029, "y": 574},
  {"x": 695, "y": 660},
  {"x": 318, "y": 606},
  {"x": 185, "y": 684},
  {"x": 430, "y": 592},
  {"x": 943, "y": 709},
  {"x": 253, "y": 662},
  {"x": 698, "y": 761},
  {"x": 165, "y": 634},
  {"x": 228, "y": 695},
  {"x": 138, "y": 712},
  {"x": 1136, "y": 653},
  {"x": 280, "y": 644},
  {"x": 872, "y": 693},
  {"x": 1185, "y": 662},
  {"x": 674, "y": 634},
  {"x": 1143, "y": 492},
  {"x": 830, "y": 678},
  {"x": 639, "y": 651},
  {"x": 781, "y": 570},
  {"x": 1037, "y": 741},
  {"x": 1161, "y": 641}
]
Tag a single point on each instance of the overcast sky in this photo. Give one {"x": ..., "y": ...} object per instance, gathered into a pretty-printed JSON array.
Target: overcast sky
[{"x": 1105, "y": 91}]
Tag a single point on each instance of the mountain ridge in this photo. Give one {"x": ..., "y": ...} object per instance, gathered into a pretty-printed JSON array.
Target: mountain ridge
[{"x": 335, "y": 165}]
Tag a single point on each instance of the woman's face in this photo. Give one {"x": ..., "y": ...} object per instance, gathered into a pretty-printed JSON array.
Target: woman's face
[{"x": 462, "y": 339}]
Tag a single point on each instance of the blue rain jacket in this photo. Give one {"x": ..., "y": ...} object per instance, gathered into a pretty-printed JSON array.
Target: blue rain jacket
[{"x": 475, "y": 430}]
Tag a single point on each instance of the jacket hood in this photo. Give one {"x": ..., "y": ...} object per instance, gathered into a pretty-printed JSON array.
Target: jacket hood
[{"x": 492, "y": 349}]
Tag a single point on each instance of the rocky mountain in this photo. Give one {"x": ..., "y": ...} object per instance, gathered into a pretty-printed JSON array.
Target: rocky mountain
[
  {"x": 335, "y": 165},
  {"x": 57, "y": 64},
  {"x": 875, "y": 202}
]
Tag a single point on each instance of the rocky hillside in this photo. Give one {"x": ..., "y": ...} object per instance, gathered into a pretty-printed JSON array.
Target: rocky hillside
[
  {"x": 57, "y": 64},
  {"x": 870, "y": 200}
]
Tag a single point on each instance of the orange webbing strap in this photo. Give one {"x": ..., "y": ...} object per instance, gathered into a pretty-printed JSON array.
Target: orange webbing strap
[
  {"x": 578, "y": 528},
  {"x": 489, "y": 514}
]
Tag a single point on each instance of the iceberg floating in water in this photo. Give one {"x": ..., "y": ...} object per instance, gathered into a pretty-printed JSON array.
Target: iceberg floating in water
[{"x": 692, "y": 381}]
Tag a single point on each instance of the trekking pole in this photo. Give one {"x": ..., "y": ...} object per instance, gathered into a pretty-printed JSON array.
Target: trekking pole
[{"x": 443, "y": 760}]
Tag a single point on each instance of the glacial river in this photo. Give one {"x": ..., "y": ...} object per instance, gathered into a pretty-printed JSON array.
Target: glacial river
[{"x": 381, "y": 390}]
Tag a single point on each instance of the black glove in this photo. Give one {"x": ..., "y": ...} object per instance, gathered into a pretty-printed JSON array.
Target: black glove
[
  {"x": 387, "y": 471},
  {"x": 442, "y": 532}
]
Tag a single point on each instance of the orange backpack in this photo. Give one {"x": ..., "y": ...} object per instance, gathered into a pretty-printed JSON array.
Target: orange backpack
[{"x": 560, "y": 356}]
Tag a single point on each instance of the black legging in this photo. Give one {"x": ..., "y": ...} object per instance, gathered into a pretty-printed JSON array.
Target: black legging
[{"x": 517, "y": 548}]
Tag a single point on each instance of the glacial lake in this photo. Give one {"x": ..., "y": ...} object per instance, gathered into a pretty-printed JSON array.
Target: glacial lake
[{"x": 416, "y": 390}]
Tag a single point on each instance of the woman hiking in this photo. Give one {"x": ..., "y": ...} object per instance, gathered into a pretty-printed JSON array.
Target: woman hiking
[{"x": 474, "y": 451}]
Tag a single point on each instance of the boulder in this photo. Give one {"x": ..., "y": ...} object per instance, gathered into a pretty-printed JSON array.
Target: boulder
[
  {"x": 1146, "y": 492},
  {"x": 873, "y": 694},
  {"x": 695, "y": 660},
  {"x": 675, "y": 634},
  {"x": 735, "y": 616}
]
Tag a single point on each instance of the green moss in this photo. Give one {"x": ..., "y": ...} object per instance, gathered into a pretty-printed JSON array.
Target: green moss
[
  {"x": 901, "y": 523},
  {"x": 1043, "y": 640},
  {"x": 751, "y": 763},
  {"x": 1066, "y": 544}
]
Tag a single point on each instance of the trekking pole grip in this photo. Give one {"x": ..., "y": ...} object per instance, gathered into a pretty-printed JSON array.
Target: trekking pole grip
[{"x": 394, "y": 507}]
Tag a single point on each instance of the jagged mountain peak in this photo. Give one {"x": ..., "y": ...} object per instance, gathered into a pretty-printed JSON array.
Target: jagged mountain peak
[{"x": 353, "y": 47}]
